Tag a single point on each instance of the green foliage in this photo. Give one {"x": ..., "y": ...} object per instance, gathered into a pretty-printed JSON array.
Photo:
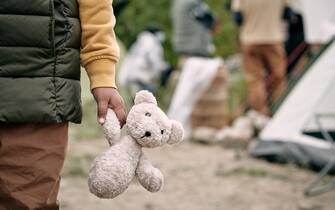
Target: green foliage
[
  {"x": 237, "y": 93},
  {"x": 226, "y": 38},
  {"x": 140, "y": 14}
]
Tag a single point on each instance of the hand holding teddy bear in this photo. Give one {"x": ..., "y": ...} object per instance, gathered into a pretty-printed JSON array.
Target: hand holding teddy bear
[{"x": 147, "y": 126}]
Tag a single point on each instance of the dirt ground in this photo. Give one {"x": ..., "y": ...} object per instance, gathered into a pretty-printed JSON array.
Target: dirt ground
[{"x": 197, "y": 177}]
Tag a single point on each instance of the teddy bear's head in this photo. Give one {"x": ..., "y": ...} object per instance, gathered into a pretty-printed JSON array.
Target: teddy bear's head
[{"x": 149, "y": 125}]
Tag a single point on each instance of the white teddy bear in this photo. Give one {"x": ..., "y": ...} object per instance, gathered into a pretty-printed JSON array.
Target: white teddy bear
[{"x": 147, "y": 126}]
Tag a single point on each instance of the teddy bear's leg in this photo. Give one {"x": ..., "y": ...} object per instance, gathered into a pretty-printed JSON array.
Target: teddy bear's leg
[
  {"x": 112, "y": 128},
  {"x": 150, "y": 177}
]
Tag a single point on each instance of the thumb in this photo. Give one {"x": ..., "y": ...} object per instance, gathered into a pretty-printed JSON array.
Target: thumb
[{"x": 102, "y": 111}]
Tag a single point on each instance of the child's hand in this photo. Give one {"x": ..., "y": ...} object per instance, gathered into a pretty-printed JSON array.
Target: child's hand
[{"x": 109, "y": 98}]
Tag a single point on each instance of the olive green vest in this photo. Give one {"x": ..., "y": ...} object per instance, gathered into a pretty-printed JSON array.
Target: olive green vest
[{"x": 39, "y": 61}]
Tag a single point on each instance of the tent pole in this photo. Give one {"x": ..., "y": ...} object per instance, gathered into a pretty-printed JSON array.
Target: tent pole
[{"x": 312, "y": 189}]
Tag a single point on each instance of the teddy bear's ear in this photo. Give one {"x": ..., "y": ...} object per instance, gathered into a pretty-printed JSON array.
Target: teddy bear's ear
[
  {"x": 177, "y": 133},
  {"x": 145, "y": 96}
]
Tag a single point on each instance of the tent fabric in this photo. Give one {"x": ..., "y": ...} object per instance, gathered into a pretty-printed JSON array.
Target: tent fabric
[
  {"x": 300, "y": 154},
  {"x": 301, "y": 104},
  {"x": 311, "y": 99},
  {"x": 319, "y": 19},
  {"x": 195, "y": 79}
]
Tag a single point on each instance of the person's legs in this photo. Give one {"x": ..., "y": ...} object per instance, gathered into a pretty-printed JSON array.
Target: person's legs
[
  {"x": 275, "y": 58},
  {"x": 31, "y": 158},
  {"x": 254, "y": 75}
]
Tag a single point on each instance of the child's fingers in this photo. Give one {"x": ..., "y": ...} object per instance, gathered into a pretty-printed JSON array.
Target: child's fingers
[
  {"x": 102, "y": 110},
  {"x": 118, "y": 106},
  {"x": 121, "y": 115}
]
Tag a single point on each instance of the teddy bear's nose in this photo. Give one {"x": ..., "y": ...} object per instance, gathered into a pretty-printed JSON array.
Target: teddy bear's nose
[{"x": 147, "y": 134}]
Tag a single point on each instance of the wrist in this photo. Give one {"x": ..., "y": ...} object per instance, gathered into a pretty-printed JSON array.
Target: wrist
[{"x": 101, "y": 73}]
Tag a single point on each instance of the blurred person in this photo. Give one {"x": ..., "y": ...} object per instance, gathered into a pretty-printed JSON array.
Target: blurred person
[
  {"x": 40, "y": 55},
  {"x": 193, "y": 22},
  {"x": 144, "y": 64},
  {"x": 262, "y": 36},
  {"x": 295, "y": 45}
]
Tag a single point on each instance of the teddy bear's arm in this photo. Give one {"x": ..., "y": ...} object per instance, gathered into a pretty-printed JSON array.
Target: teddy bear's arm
[
  {"x": 112, "y": 128},
  {"x": 150, "y": 177}
]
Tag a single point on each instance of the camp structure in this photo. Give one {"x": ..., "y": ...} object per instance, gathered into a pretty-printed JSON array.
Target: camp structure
[
  {"x": 298, "y": 131},
  {"x": 303, "y": 126}
]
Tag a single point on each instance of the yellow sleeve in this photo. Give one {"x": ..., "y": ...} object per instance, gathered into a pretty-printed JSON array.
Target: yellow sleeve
[{"x": 99, "y": 50}]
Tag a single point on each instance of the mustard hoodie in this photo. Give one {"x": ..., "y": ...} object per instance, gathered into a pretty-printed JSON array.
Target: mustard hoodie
[{"x": 100, "y": 51}]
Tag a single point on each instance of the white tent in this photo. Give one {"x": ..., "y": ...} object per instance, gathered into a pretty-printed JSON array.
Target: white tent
[
  {"x": 318, "y": 17},
  {"x": 294, "y": 133}
]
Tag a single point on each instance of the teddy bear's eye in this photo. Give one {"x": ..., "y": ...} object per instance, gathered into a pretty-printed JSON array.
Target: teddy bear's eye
[
  {"x": 162, "y": 131},
  {"x": 148, "y": 114}
]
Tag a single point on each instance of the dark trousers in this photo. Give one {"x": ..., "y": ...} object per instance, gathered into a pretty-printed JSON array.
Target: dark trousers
[{"x": 31, "y": 159}]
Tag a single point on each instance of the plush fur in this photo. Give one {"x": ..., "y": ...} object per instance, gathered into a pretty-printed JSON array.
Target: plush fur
[{"x": 147, "y": 126}]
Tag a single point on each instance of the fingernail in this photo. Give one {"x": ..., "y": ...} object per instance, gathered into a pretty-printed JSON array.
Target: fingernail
[{"x": 101, "y": 120}]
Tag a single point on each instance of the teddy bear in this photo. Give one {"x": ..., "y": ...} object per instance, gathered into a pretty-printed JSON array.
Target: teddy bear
[{"x": 147, "y": 126}]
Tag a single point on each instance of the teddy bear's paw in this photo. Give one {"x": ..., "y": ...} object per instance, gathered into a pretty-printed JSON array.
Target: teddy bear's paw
[
  {"x": 102, "y": 190},
  {"x": 152, "y": 180},
  {"x": 107, "y": 185}
]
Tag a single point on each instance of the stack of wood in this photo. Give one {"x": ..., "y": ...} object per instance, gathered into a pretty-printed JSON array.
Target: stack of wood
[{"x": 212, "y": 109}]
